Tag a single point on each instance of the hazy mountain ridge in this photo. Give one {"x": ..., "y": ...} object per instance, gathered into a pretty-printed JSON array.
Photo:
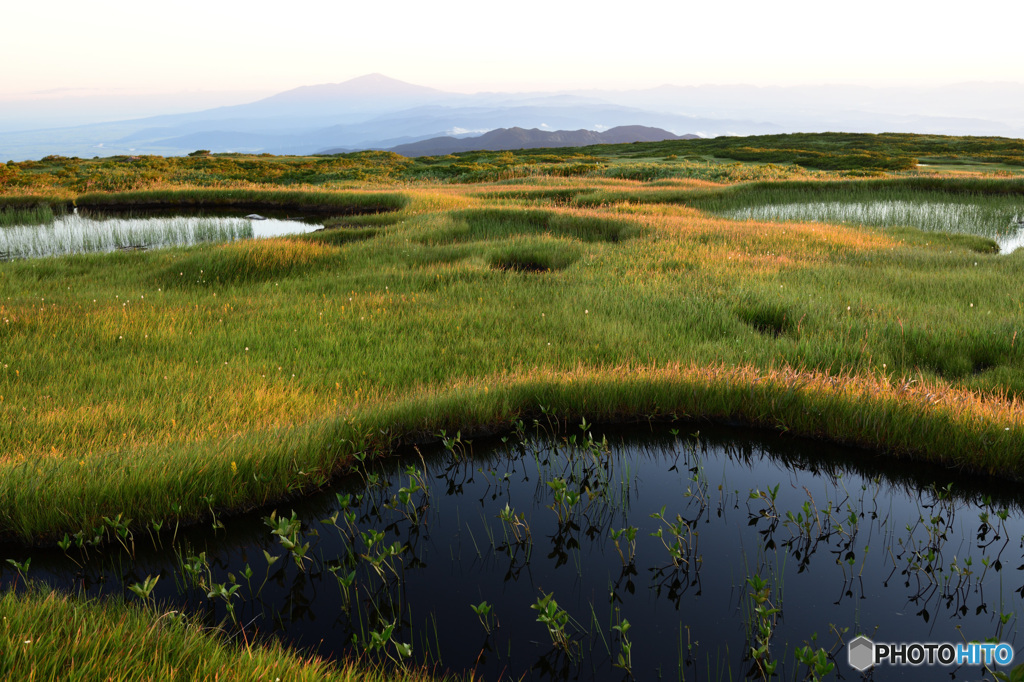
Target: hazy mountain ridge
[
  {"x": 520, "y": 138},
  {"x": 376, "y": 112}
]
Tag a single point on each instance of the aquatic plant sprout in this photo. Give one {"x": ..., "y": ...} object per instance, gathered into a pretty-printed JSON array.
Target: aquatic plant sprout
[
  {"x": 998, "y": 223},
  {"x": 76, "y": 234}
]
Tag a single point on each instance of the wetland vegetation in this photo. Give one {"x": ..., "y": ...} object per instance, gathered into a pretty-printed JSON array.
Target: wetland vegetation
[
  {"x": 75, "y": 234},
  {"x": 145, "y": 392}
]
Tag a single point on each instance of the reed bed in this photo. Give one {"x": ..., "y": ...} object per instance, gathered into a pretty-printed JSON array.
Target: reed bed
[
  {"x": 74, "y": 234},
  {"x": 994, "y": 222},
  {"x": 37, "y": 215}
]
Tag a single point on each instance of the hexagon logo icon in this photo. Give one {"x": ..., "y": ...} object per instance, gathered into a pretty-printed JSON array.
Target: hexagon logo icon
[{"x": 861, "y": 653}]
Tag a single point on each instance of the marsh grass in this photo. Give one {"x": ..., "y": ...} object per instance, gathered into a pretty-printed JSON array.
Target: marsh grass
[
  {"x": 720, "y": 198},
  {"x": 29, "y": 201},
  {"x": 998, "y": 222},
  {"x": 50, "y": 636},
  {"x": 768, "y": 317},
  {"x": 339, "y": 236},
  {"x": 363, "y": 221},
  {"x": 129, "y": 382},
  {"x": 535, "y": 255},
  {"x": 36, "y": 215},
  {"x": 337, "y": 203},
  {"x": 249, "y": 261},
  {"x": 914, "y": 418},
  {"x": 73, "y": 234},
  {"x": 483, "y": 224},
  {"x": 989, "y": 209}
]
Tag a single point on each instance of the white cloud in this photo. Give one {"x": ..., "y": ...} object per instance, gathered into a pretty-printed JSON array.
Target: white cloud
[{"x": 465, "y": 131}]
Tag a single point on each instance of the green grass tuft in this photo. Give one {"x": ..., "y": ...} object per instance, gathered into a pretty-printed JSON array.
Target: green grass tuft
[
  {"x": 533, "y": 256},
  {"x": 49, "y": 636},
  {"x": 259, "y": 260},
  {"x": 482, "y": 224}
]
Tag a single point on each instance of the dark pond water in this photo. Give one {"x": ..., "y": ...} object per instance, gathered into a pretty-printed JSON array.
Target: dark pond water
[{"x": 839, "y": 544}]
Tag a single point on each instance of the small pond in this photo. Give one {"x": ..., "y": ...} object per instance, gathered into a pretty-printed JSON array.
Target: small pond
[
  {"x": 86, "y": 233},
  {"x": 1003, "y": 223},
  {"x": 566, "y": 552}
]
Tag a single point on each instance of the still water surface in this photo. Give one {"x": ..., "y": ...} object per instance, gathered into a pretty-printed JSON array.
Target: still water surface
[
  {"x": 74, "y": 233},
  {"x": 845, "y": 542},
  {"x": 1002, "y": 223}
]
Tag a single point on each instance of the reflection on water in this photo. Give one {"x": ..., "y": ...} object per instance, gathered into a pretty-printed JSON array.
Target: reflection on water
[
  {"x": 1012, "y": 242},
  {"x": 463, "y": 550},
  {"x": 1002, "y": 224},
  {"x": 78, "y": 234}
]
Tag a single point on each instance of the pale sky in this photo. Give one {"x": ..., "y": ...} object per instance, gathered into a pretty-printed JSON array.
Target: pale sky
[{"x": 130, "y": 46}]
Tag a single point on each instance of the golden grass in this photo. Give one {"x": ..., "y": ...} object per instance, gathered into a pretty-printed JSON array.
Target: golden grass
[
  {"x": 215, "y": 402},
  {"x": 171, "y": 356},
  {"x": 45, "y": 636}
]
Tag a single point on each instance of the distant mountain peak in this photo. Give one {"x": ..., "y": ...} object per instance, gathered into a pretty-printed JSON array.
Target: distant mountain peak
[
  {"x": 372, "y": 85},
  {"x": 379, "y": 79},
  {"x": 378, "y": 82}
]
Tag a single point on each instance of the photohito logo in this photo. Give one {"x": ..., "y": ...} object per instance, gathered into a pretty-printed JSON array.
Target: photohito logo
[{"x": 862, "y": 653}]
